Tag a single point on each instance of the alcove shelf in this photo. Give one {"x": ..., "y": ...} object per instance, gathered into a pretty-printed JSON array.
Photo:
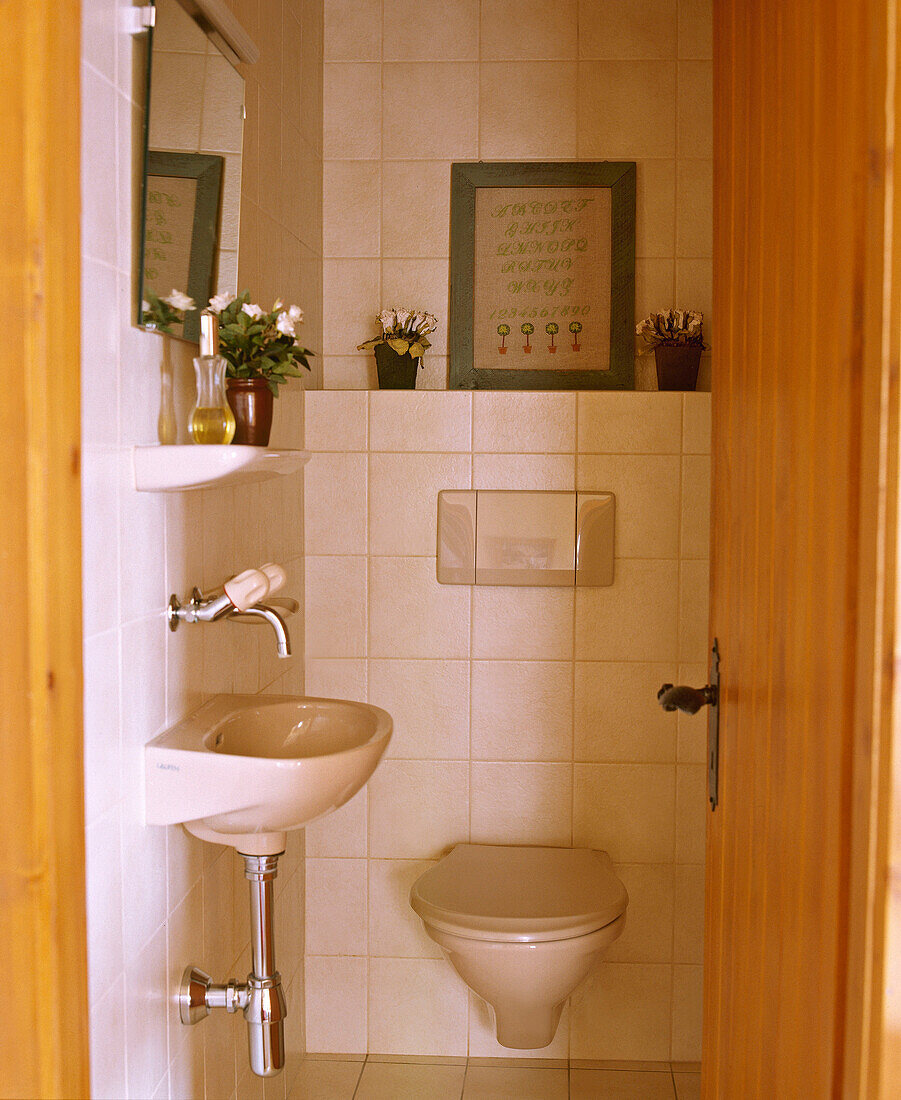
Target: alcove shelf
[{"x": 172, "y": 469}]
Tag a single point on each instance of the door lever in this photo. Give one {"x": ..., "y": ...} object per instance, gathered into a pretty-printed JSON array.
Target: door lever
[{"x": 687, "y": 699}]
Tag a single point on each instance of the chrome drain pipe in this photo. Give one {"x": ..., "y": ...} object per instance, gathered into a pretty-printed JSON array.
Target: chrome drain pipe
[{"x": 260, "y": 998}]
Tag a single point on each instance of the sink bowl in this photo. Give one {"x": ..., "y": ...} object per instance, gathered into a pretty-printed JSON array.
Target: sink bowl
[{"x": 245, "y": 769}]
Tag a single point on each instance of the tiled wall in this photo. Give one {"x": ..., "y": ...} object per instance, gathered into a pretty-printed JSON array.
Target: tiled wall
[
  {"x": 412, "y": 86},
  {"x": 157, "y": 898},
  {"x": 523, "y": 715}
]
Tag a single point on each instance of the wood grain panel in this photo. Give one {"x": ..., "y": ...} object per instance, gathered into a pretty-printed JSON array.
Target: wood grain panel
[
  {"x": 802, "y": 554},
  {"x": 43, "y": 1041}
]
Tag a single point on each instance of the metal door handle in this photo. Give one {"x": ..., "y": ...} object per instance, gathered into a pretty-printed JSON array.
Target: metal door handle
[{"x": 687, "y": 699}]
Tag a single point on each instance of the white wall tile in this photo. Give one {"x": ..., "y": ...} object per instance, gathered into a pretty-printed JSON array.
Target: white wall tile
[
  {"x": 418, "y": 809},
  {"x": 522, "y": 623},
  {"x": 627, "y": 810},
  {"x": 418, "y": 1004},
  {"x": 410, "y": 421},
  {"x": 696, "y": 423},
  {"x": 617, "y": 716},
  {"x": 635, "y": 619},
  {"x": 395, "y": 931},
  {"x": 524, "y": 422},
  {"x": 602, "y": 1029},
  {"x": 411, "y": 614},
  {"x": 516, "y": 803},
  {"x": 524, "y": 471},
  {"x": 343, "y": 832},
  {"x": 336, "y": 1004},
  {"x": 429, "y": 702},
  {"x": 335, "y": 504},
  {"x": 646, "y": 488},
  {"x": 630, "y": 423},
  {"x": 687, "y": 1013},
  {"x": 336, "y": 906},
  {"x": 335, "y": 421},
  {"x": 695, "y": 506},
  {"x": 404, "y": 499},
  {"x": 522, "y": 710},
  {"x": 335, "y": 608},
  {"x": 648, "y": 933}
]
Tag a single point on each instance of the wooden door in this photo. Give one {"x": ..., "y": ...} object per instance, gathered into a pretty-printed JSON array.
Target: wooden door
[
  {"x": 43, "y": 1038},
  {"x": 806, "y": 308}
]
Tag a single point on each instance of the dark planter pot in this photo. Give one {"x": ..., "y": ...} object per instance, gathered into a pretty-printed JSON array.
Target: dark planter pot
[
  {"x": 677, "y": 367},
  {"x": 251, "y": 402},
  {"x": 396, "y": 372}
]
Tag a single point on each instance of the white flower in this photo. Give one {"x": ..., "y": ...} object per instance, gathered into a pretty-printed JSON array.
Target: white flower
[
  {"x": 145, "y": 306},
  {"x": 253, "y": 311},
  {"x": 387, "y": 319},
  {"x": 296, "y": 314},
  {"x": 277, "y": 304},
  {"x": 403, "y": 316},
  {"x": 285, "y": 325},
  {"x": 179, "y": 301},
  {"x": 221, "y": 301}
]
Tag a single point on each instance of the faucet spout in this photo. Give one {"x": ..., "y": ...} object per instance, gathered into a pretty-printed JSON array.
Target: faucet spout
[{"x": 278, "y": 624}]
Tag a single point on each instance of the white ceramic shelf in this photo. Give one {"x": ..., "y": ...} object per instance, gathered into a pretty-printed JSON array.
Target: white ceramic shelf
[{"x": 175, "y": 469}]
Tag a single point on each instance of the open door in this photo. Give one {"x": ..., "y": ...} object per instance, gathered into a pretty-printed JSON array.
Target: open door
[
  {"x": 805, "y": 486},
  {"x": 43, "y": 1039}
]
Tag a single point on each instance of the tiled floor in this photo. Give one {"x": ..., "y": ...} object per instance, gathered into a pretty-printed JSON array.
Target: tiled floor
[{"x": 371, "y": 1079}]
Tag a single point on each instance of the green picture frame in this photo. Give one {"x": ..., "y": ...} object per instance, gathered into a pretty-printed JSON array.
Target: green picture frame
[
  {"x": 466, "y": 180},
  {"x": 207, "y": 170}
]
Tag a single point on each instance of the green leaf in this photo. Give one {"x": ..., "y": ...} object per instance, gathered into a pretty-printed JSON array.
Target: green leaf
[
  {"x": 273, "y": 385},
  {"x": 417, "y": 350},
  {"x": 400, "y": 346}
]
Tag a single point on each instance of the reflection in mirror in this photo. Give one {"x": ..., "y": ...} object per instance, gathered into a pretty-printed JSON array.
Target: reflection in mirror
[{"x": 192, "y": 174}]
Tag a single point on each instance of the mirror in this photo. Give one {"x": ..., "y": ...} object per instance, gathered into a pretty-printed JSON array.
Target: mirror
[{"x": 192, "y": 173}]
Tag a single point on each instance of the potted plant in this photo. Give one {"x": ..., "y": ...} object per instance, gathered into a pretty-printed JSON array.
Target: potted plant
[
  {"x": 677, "y": 339},
  {"x": 527, "y": 329},
  {"x": 552, "y": 328},
  {"x": 575, "y": 327},
  {"x": 400, "y": 347},
  {"x": 263, "y": 353}
]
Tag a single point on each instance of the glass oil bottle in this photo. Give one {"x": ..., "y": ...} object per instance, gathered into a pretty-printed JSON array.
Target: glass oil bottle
[{"x": 211, "y": 420}]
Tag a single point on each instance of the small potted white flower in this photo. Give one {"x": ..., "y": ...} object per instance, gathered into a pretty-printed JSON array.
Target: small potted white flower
[
  {"x": 400, "y": 347},
  {"x": 676, "y": 337}
]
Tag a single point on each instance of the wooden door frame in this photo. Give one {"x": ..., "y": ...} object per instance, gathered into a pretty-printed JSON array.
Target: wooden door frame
[{"x": 43, "y": 1041}]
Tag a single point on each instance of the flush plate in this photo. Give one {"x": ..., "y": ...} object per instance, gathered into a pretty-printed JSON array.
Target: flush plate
[{"x": 526, "y": 538}]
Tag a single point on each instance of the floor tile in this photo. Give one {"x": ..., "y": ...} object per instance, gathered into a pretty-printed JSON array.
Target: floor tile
[
  {"x": 605, "y": 1084},
  {"x": 393, "y": 1080},
  {"x": 324, "y": 1079},
  {"x": 492, "y": 1083},
  {"x": 688, "y": 1086}
]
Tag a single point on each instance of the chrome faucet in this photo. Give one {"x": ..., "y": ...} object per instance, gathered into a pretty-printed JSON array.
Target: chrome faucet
[
  {"x": 278, "y": 624},
  {"x": 240, "y": 600}
]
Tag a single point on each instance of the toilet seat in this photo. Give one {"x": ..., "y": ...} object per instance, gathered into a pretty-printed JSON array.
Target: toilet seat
[{"x": 519, "y": 894}]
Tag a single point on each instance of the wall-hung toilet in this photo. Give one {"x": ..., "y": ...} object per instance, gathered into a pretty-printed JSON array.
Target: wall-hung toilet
[{"x": 522, "y": 927}]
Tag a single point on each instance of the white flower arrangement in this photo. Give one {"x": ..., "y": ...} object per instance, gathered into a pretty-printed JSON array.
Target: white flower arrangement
[
  {"x": 674, "y": 328},
  {"x": 159, "y": 314},
  {"x": 404, "y": 330}
]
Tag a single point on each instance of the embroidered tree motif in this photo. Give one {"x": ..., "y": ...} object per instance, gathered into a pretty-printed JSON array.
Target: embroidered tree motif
[
  {"x": 503, "y": 331},
  {"x": 575, "y": 327},
  {"x": 552, "y": 328},
  {"x": 527, "y": 329}
]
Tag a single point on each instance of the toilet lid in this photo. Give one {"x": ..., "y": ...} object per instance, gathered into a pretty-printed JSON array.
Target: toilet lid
[{"x": 515, "y": 893}]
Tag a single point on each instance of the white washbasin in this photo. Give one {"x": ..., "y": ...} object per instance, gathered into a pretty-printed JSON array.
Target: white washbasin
[{"x": 245, "y": 769}]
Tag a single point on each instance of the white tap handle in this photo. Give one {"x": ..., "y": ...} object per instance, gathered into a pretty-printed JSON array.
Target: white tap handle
[
  {"x": 247, "y": 588},
  {"x": 277, "y": 577}
]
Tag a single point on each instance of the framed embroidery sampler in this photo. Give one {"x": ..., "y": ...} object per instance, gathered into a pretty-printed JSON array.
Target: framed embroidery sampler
[{"x": 542, "y": 276}]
